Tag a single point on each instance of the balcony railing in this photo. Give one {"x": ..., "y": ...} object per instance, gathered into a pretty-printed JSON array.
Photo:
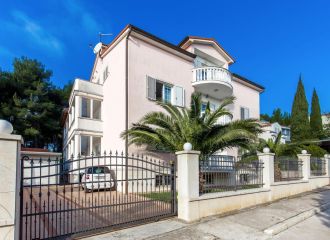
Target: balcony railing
[{"x": 212, "y": 74}]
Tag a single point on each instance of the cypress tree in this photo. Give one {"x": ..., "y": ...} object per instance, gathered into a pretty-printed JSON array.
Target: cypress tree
[
  {"x": 300, "y": 128},
  {"x": 316, "y": 118}
]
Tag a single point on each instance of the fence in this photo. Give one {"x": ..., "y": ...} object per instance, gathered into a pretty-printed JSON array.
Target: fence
[
  {"x": 113, "y": 190},
  {"x": 222, "y": 173},
  {"x": 287, "y": 169},
  {"x": 318, "y": 166}
]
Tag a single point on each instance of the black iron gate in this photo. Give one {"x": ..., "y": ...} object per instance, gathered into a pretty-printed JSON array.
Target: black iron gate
[{"x": 59, "y": 199}]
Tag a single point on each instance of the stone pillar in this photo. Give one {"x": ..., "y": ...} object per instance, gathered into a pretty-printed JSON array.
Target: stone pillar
[
  {"x": 306, "y": 161},
  {"x": 188, "y": 184},
  {"x": 267, "y": 159},
  {"x": 10, "y": 147}
]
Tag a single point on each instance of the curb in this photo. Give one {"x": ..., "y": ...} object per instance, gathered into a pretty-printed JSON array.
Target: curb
[{"x": 280, "y": 227}]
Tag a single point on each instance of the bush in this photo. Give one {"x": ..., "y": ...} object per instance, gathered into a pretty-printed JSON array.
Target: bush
[{"x": 315, "y": 150}]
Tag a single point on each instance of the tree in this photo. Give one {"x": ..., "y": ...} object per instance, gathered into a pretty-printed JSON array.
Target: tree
[
  {"x": 316, "y": 118},
  {"x": 300, "y": 128},
  {"x": 277, "y": 116},
  {"x": 170, "y": 129},
  {"x": 32, "y": 103}
]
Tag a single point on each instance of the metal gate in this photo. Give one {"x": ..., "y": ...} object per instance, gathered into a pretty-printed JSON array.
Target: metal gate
[{"x": 60, "y": 199}]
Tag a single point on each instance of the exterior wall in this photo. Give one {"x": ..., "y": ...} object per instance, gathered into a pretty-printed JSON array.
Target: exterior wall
[
  {"x": 9, "y": 198},
  {"x": 146, "y": 59},
  {"x": 245, "y": 97},
  {"x": 208, "y": 49},
  {"x": 40, "y": 165},
  {"x": 114, "y": 102}
]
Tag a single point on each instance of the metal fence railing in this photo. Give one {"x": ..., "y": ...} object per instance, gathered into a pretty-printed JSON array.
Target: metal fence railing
[
  {"x": 220, "y": 173},
  {"x": 287, "y": 169},
  {"x": 318, "y": 166}
]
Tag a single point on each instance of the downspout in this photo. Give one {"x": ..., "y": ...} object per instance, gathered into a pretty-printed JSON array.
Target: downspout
[{"x": 126, "y": 113}]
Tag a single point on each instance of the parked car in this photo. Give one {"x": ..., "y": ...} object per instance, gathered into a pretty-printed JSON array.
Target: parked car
[{"x": 98, "y": 177}]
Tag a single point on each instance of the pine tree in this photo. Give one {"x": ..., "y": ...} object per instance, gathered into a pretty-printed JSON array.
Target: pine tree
[
  {"x": 316, "y": 118},
  {"x": 300, "y": 128}
]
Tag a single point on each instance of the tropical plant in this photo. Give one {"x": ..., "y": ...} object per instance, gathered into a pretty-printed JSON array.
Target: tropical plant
[{"x": 169, "y": 129}]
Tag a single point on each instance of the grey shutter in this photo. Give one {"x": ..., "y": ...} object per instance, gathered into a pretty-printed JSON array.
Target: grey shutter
[
  {"x": 178, "y": 96},
  {"x": 151, "y": 88}
]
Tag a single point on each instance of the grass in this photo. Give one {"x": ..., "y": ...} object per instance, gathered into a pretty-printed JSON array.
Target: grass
[{"x": 158, "y": 196}]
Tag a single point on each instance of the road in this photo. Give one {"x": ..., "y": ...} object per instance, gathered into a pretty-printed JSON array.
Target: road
[{"x": 316, "y": 227}]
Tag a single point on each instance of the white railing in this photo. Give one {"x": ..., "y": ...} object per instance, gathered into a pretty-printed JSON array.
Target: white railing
[
  {"x": 223, "y": 120},
  {"x": 212, "y": 74}
]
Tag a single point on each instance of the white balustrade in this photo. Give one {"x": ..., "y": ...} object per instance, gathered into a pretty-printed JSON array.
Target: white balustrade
[{"x": 212, "y": 74}]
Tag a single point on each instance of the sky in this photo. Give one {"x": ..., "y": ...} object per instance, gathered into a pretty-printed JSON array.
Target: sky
[{"x": 273, "y": 42}]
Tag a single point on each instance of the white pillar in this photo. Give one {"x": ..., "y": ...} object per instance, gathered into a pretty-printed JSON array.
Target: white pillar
[
  {"x": 188, "y": 184},
  {"x": 10, "y": 147},
  {"x": 306, "y": 161},
  {"x": 267, "y": 159},
  {"x": 327, "y": 164}
]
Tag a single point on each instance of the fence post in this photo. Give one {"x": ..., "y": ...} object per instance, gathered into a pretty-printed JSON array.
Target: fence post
[
  {"x": 327, "y": 164},
  {"x": 306, "y": 161},
  {"x": 188, "y": 183},
  {"x": 10, "y": 147},
  {"x": 267, "y": 158}
]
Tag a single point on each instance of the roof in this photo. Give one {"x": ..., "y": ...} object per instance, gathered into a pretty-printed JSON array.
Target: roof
[
  {"x": 151, "y": 36},
  {"x": 34, "y": 149},
  {"x": 262, "y": 88},
  {"x": 186, "y": 39}
]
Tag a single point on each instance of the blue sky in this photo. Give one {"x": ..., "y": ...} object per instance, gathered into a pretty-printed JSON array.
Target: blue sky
[{"x": 272, "y": 41}]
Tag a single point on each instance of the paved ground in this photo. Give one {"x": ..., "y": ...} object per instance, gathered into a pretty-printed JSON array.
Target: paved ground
[{"x": 248, "y": 224}]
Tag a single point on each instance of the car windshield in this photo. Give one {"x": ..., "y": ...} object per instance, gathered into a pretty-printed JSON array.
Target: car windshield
[{"x": 98, "y": 170}]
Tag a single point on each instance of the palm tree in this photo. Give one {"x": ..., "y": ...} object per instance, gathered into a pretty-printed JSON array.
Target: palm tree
[{"x": 168, "y": 130}]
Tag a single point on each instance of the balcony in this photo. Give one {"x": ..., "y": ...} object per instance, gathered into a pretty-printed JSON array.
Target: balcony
[{"x": 213, "y": 81}]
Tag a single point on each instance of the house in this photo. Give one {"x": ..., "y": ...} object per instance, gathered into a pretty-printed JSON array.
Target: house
[
  {"x": 271, "y": 131},
  {"x": 325, "y": 119},
  {"x": 138, "y": 68}
]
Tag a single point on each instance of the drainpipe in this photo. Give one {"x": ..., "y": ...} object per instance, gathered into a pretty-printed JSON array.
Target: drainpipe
[{"x": 126, "y": 114}]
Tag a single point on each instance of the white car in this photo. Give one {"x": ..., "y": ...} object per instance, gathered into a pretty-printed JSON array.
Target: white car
[{"x": 96, "y": 178}]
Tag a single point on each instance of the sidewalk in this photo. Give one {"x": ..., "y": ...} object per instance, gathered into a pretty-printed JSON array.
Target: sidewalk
[{"x": 247, "y": 224}]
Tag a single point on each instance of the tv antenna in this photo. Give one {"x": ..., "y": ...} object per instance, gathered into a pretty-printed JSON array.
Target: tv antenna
[{"x": 103, "y": 35}]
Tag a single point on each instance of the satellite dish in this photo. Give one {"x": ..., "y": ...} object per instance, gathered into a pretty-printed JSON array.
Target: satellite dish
[{"x": 97, "y": 48}]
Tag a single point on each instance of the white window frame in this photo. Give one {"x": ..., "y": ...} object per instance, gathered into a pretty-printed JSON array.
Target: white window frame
[
  {"x": 91, "y": 113},
  {"x": 91, "y": 139},
  {"x": 248, "y": 113}
]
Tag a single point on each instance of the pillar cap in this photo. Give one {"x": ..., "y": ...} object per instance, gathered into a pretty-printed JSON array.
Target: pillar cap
[{"x": 188, "y": 152}]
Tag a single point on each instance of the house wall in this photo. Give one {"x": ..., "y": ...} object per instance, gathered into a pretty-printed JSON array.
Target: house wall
[
  {"x": 114, "y": 101},
  {"x": 146, "y": 59},
  {"x": 208, "y": 49}
]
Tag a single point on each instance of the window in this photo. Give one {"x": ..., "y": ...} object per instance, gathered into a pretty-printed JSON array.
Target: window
[
  {"x": 85, "y": 107},
  {"x": 167, "y": 93},
  {"x": 85, "y": 145},
  {"x": 105, "y": 74},
  {"x": 160, "y": 91},
  {"x": 203, "y": 107},
  {"x": 245, "y": 113},
  {"x": 96, "y": 146},
  {"x": 96, "y": 109}
]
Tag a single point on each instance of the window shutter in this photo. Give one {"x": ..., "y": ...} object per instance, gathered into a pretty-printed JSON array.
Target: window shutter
[
  {"x": 178, "y": 96},
  {"x": 151, "y": 88}
]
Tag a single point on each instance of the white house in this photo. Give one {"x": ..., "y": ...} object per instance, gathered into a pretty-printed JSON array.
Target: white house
[
  {"x": 136, "y": 69},
  {"x": 271, "y": 131}
]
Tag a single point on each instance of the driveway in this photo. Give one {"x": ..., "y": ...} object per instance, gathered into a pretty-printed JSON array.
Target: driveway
[{"x": 60, "y": 210}]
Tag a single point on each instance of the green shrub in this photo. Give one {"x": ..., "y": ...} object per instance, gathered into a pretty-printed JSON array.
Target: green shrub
[{"x": 315, "y": 150}]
